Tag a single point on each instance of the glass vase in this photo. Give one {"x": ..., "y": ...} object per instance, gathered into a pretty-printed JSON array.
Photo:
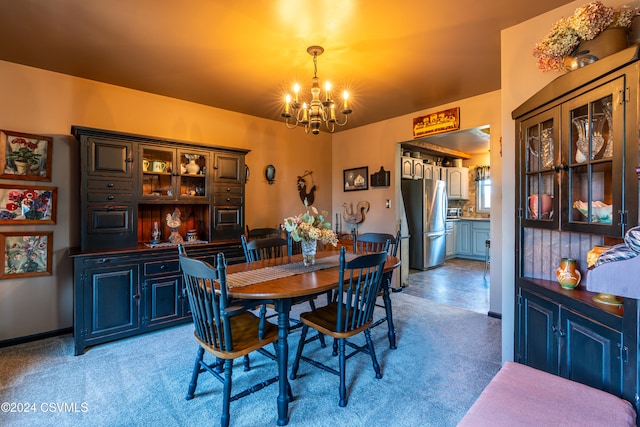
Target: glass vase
[{"x": 308, "y": 252}]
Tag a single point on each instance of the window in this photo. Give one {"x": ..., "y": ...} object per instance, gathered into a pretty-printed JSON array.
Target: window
[{"x": 483, "y": 196}]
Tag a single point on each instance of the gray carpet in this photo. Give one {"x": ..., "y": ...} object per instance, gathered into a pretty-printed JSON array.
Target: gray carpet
[{"x": 445, "y": 357}]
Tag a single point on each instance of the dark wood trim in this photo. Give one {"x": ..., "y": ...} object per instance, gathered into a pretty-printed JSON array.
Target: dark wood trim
[{"x": 35, "y": 337}]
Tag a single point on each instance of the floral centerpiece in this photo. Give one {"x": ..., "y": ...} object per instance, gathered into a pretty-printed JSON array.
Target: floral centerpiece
[
  {"x": 586, "y": 23},
  {"x": 309, "y": 227}
]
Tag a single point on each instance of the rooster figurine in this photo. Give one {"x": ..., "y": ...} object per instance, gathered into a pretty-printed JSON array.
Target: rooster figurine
[
  {"x": 357, "y": 216},
  {"x": 174, "y": 222}
]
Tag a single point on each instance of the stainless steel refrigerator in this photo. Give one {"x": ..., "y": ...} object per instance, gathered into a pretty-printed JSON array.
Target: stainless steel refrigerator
[{"x": 425, "y": 203}]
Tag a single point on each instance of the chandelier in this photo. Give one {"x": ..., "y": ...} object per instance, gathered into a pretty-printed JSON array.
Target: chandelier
[{"x": 316, "y": 112}]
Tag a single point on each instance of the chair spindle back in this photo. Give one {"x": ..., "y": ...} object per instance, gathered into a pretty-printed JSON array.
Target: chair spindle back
[{"x": 359, "y": 285}]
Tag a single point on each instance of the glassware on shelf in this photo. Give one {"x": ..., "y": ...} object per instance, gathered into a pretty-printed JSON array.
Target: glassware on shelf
[
  {"x": 532, "y": 145},
  {"x": 588, "y": 132},
  {"x": 546, "y": 147},
  {"x": 155, "y": 233},
  {"x": 608, "y": 149}
]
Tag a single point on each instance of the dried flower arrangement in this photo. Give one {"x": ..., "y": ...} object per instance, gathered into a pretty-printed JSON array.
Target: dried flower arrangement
[{"x": 586, "y": 23}]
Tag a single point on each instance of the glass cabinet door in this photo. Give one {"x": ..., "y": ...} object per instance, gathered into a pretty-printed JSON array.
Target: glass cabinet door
[
  {"x": 192, "y": 176},
  {"x": 539, "y": 154},
  {"x": 592, "y": 160},
  {"x": 157, "y": 173}
]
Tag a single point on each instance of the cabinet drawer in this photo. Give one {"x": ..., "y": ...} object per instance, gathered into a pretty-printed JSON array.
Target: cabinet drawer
[
  {"x": 109, "y": 185},
  {"x": 161, "y": 267},
  {"x": 109, "y": 197},
  {"x": 227, "y": 189},
  {"x": 227, "y": 199}
]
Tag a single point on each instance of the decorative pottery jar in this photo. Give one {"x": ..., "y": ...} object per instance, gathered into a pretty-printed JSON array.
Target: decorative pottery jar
[
  {"x": 192, "y": 167},
  {"x": 546, "y": 201},
  {"x": 192, "y": 235},
  {"x": 567, "y": 274}
]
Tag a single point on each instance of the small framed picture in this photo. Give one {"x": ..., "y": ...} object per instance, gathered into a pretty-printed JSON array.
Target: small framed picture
[
  {"x": 27, "y": 204},
  {"x": 25, "y": 156},
  {"x": 26, "y": 254},
  {"x": 356, "y": 179}
]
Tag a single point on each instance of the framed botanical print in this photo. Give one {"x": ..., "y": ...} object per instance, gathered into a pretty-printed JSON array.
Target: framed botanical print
[
  {"x": 22, "y": 204},
  {"x": 26, "y": 254},
  {"x": 25, "y": 156}
]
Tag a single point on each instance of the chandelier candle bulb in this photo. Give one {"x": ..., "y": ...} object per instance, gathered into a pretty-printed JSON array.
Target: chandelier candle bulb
[
  {"x": 333, "y": 113},
  {"x": 286, "y": 106},
  {"x": 296, "y": 91},
  {"x": 327, "y": 89},
  {"x": 345, "y": 109}
]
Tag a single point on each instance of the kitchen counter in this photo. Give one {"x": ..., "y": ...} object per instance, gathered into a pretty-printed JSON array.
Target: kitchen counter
[{"x": 468, "y": 218}]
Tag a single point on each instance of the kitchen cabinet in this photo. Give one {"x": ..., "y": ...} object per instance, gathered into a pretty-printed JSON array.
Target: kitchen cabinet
[
  {"x": 576, "y": 187},
  {"x": 124, "y": 284},
  {"x": 457, "y": 183},
  {"x": 412, "y": 168},
  {"x": 451, "y": 232},
  {"x": 471, "y": 235}
]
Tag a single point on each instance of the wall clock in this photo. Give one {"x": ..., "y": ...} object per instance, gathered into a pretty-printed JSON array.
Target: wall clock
[{"x": 270, "y": 174}]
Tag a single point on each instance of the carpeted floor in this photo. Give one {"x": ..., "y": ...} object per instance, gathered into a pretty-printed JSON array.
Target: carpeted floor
[{"x": 445, "y": 357}]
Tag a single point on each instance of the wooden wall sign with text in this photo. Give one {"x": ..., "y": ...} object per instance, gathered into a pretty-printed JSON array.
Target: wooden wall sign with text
[{"x": 442, "y": 121}]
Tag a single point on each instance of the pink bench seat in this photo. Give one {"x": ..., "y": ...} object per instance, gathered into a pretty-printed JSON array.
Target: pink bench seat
[{"x": 523, "y": 396}]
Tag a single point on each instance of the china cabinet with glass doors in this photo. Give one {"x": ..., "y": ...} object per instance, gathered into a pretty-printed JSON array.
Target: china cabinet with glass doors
[
  {"x": 576, "y": 187},
  {"x": 127, "y": 278}
]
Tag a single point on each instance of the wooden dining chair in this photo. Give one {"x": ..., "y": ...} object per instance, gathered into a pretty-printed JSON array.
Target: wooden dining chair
[
  {"x": 223, "y": 330},
  {"x": 260, "y": 249},
  {"x": 348, "y": 314},
  {"x": 263, "y": 233},
  {"x": 376, "y": 242},
  {"x": 270, "y": 247}
]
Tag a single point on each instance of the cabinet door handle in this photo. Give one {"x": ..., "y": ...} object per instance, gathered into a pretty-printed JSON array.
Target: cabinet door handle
[
  {"x": 136, "y": 296},
  {"x": 228, "y": 189},
  {"x": 110, "y": 185},
  {"x": 129, "y": 160},
  {"x": 110, "y": 197},
  {"x": 228, "y": 199},
  {"x": 163, "y": 267}
]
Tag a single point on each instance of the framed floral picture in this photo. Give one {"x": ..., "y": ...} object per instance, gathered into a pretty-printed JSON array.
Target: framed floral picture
[
  {"x": 26, "y": 254},
  {"x": 356, "y": 179},
  {"x": 27, "y": 204},
  {"x": 25, "y": 156}
]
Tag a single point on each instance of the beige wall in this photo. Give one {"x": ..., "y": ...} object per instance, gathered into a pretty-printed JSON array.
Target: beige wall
[
  {"x": 378, "y": 145},
  {"x": 520, "y": 80},
  {"x": 41, "y": 102}
]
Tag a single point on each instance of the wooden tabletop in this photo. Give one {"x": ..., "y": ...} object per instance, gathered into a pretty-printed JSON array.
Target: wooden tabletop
[{"x": 299, "y": 285}]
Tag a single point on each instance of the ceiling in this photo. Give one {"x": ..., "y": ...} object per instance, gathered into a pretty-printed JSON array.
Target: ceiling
[{"x": 395, "y": 58}]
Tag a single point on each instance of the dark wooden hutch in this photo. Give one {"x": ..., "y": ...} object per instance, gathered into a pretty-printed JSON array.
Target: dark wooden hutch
[
  {"x": 123, "y": 284},
  {"x": 577, "y": 145}
]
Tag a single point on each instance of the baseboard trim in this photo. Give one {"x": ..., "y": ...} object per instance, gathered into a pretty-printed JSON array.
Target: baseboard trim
[
  {"x": 494, "y": 315},
  {"x": 35, "y": 337}
]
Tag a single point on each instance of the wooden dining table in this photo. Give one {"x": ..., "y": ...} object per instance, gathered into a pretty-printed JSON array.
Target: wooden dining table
[{"x": 283, "y": 293}]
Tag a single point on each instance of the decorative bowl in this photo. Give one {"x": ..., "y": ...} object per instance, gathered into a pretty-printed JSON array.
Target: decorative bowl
[{"x": 600, "y": 211}]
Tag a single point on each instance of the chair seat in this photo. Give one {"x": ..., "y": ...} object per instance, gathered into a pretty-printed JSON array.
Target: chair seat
[
  {"x": 244, "y": 330},
  {"x": 324, "y": 320}
]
